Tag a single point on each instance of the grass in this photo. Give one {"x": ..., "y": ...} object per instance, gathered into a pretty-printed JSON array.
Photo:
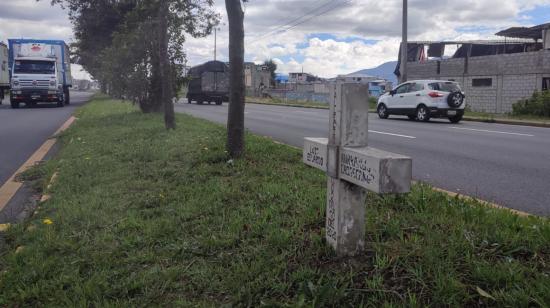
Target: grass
[
  {"x": 298, "y": 103},
  {"x": 286, "y": 102},
  {"x": 146, "y": 217}
]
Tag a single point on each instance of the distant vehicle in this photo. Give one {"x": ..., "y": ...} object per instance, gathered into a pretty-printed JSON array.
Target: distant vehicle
[
  {"x": 40, "y": 71},
  {"x": 4, "y": 71},
  {"x": 424, "y": 99},
  {"x": 209, "y": 82}
]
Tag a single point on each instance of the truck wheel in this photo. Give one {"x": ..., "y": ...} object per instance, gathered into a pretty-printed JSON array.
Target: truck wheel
[
  {"x": 67, "y": 96},
  {"x": 61, "y": 102}
]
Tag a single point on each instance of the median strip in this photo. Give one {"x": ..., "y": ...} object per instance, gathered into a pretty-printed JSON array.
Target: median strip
[{"x": 142, "y": 216}]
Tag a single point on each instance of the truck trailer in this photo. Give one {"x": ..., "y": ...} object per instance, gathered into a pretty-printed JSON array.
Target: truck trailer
[
  {"x": 40, "y": 71},
  {"x": 209, "y": 82},
  {"x": 4, "y": 71}
]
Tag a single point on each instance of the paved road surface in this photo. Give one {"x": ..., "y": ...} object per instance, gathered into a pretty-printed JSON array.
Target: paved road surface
[
  {"x": 505, "y": 164},
  {"x": 24, "y": 130}
]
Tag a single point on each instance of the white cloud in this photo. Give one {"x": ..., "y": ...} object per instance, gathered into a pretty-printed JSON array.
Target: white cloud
[{"x": 366, "y": 19}]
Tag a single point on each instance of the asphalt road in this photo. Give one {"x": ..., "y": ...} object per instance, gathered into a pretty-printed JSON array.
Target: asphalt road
[
  {"x": 24, "y": 130},
  {"x": 505, "y": 164}
]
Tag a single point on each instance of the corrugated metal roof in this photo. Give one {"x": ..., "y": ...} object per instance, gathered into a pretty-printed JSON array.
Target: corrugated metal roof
[
  {"x": 525, "y": 32},
  {"x": 476, "y": 42}
]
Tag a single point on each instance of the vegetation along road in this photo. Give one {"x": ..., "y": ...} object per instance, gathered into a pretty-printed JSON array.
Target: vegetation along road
[{"x": 505, "y": 164}]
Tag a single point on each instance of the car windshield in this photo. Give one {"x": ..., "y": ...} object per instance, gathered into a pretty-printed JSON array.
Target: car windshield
[
  {"x": 34, "y": 67},
  {"x": 444, "y": 86}
]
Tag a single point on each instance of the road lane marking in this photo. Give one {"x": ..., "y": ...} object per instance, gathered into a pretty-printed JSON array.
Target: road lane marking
[
  {"x": 493, "y": 131},
  {"x": 391, "y": 134},
  {"x": 10, "y": 187}
]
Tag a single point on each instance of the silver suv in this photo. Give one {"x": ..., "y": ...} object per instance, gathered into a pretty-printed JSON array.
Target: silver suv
[{"x": 424, "y": 99}]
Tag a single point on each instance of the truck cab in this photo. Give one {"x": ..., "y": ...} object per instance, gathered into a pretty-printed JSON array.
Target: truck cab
[
  {"x": 39, "y": 71},
  {"x": 35, "y": 79}
]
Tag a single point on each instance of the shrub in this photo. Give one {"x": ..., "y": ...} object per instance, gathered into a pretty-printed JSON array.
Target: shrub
[{"x": 538, "y": 105}]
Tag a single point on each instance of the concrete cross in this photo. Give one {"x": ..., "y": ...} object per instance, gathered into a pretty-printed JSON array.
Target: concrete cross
[{"x": 352, "y": 167}]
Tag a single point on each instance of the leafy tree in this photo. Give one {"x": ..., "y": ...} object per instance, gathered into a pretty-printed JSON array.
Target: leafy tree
[
  {"x": 272, "y": 67},
  {"x": 139, "y": 55}
]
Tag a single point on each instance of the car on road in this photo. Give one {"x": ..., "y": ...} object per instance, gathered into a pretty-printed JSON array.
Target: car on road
[{"x": 424, "y": 99}]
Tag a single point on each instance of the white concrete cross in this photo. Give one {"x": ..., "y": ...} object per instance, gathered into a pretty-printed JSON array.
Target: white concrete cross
[{"x": 352, "y": 167}]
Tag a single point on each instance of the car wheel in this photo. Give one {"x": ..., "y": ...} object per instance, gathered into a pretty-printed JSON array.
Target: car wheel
[
  {"x": 422, "y": 113},
  {"x": 411, "y": 117},
  {"x": 455, "y": 119},
  {"x": 382, "y": 111},
  {"x": 189, "y": 100},
  {"x": 219, "y": 102},
  {"x": 14, "y": 105}
]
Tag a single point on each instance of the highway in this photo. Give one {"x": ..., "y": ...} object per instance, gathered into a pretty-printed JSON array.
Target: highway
[
  {"x": 505, "y": 164},
  {"x": 24, "y": 130}
]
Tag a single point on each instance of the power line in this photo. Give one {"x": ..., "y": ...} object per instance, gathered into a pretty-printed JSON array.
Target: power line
[{"x": 298, "y": 21}]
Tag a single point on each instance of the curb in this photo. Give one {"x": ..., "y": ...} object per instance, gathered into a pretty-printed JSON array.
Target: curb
[
  {"x": 10, "y": 187},
  {"x": 509, "y": 122}
]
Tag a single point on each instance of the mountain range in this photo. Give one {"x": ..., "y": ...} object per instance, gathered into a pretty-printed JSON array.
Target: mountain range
[{"x": 384, "y": 71}]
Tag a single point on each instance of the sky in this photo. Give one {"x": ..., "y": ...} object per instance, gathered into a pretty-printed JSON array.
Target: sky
[{"x": 330, "y": 37}]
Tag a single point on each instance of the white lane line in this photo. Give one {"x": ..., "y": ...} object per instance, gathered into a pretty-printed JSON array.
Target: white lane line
[
  {"x": 492, "y": 131},
  {"x": 390, "y": 134}
]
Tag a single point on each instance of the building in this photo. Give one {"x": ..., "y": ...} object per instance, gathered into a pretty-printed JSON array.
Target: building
[
  {"x": 494, "y": 74},
  {"x": 256, "y": 77},
  {"x": 377, "y": 85},
  {"x": 302, "y": 78}
]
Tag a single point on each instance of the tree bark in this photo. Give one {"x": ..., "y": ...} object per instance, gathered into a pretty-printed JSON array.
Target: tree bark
[
  {"x": 165, "y": 67},
  {"x": 235, "y": 118}
]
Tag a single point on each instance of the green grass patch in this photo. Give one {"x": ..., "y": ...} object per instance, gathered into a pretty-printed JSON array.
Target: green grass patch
[
  {"x": 298, "y": 103},
  {"x": 146, "y": 217},
  {"x": 286, "y": 102}
]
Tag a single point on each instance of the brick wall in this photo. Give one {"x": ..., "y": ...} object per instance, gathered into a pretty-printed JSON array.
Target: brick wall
[{"x": 514, "y": 77}]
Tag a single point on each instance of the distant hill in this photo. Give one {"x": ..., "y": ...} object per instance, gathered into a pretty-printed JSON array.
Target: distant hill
[{"x": 385, "y": 71}]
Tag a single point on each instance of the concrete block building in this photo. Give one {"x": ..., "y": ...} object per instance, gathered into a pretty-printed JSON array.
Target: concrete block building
[{"x": 494, "y": 74}]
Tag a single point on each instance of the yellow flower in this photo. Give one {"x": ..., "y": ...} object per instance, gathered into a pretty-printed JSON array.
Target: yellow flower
[
  {"x": 47, "y": 221},
  {"x": 4, "y": 227}
]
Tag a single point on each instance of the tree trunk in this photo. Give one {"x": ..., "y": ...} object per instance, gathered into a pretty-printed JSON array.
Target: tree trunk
[
  {"x": 235, "y": 119},
  {"x": 165, "y": 67}
]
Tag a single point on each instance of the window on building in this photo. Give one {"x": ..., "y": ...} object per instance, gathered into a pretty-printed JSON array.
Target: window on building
[
  {"x": 482, "y": 82},
  {"x": 545, "y": 84}
]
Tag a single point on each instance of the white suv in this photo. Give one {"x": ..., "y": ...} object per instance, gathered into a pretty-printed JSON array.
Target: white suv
[{"x": 424, "y": 99}]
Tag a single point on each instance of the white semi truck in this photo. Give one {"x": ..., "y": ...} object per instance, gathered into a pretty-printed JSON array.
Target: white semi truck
[
  {"x": 40, "y": 71},
  {"x": 4, "y": 71}
]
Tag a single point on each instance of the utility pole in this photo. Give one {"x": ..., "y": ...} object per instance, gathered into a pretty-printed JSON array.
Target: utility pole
[
  {"x": 404, "y": 49},
  {"x": 215, "y": 42}
]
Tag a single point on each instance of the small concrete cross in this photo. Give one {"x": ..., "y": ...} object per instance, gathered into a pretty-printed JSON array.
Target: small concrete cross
[{"x": 352, "y": 167}]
